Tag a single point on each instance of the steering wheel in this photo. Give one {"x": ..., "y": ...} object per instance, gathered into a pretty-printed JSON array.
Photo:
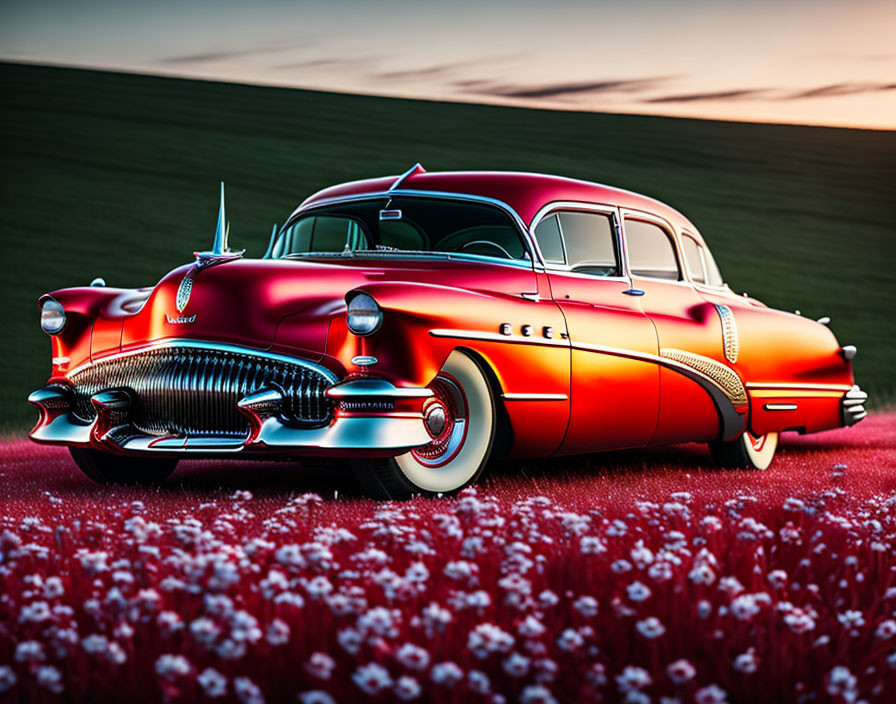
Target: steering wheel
[{"x": 485, "y": 242}]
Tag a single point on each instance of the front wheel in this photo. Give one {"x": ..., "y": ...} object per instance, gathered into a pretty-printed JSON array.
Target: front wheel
[
  {"x": 461, "y": 418},
  {"x": 745, "y": 452},
  {"x": 104, "y": 468}
]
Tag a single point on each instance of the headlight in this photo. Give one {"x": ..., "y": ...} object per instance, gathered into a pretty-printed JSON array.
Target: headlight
[
  {"x": 52, "y": 317},
  {"x": 364, "y": 315}
]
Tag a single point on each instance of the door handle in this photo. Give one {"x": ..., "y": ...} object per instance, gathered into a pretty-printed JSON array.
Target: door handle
[{"x": 634, "y": 292}]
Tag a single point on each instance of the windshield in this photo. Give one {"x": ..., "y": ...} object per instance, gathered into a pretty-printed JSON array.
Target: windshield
[{"x": 404, "y": 224}]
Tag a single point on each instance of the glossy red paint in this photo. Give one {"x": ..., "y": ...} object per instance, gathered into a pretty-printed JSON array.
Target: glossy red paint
[{"x": 585, "y": 365}]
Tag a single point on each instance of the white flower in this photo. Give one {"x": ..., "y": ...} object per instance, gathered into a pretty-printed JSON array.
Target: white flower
[
  {"x": 278, "y": 632},
  {"x": 680, "y": 671},
  {"x": 247, "y": 691},
  {"x": 49, "y": 677},
  {"x": 886, "y": 629},
  {"x": 747, "y": 662},
  {"x": 407, "y": 688},
  {"x": 170, "y": 666},
  {"x": 633, "y": 678},
  {"x": 29, "y": 651},
  {"x": 478, "y": 682},
  {"x": 851, "y": 619},
  {"x": 650, "y": 627},
  {"x": 372, "y": 678},
  {"x": 320, "y": 665},
  {"x": 777, "y": 578},
  {"x": 745, "y": 607},
  {"x": 570, "y": 640},
  {"x": 638, "y": 591},
  {"x": 711, "y": 694},
  {"x": 213, "y": 683},
  {"x": 799, "y": 621},
  {"x": 8, "y": 678},
  {"x": 316, "y": 696},
  {"x": 446, "y": 674},
  {"x": 536, "y": 694},
  {"x": 413, "y": 657},
  {"x": 597, "y": 675},
  {"x": 487, "y": 638},
  {"x": 516, "y": 665},
  {"x": 841, "y": 682},
  {"x": 591, "y": 545},
  {"x": 531, "y": 627},
  {"x": 586, "y": 605}
]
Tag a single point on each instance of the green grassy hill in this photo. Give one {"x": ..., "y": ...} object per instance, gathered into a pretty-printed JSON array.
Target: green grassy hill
[{"x": 117, "y": 176}]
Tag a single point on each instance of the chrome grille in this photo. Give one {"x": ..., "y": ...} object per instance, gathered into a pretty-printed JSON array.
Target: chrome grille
[{"x": 194, "y": 391}]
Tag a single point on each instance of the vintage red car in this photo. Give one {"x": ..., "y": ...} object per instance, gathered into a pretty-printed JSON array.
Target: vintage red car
[{"x": 420, "y": 325}]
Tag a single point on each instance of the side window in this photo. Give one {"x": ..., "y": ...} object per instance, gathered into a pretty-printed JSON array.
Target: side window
[
  {"x": 547, "y": 234},
  {"x": 590, "y": 241},
  {"x": 693, "y": 258},
  {"x": 713, "y": 275},
  {"x": 584, "y": 241},
  {"x": 651, "y": 251}
]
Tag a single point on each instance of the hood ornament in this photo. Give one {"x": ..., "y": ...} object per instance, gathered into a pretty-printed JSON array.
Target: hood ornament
[{"x": 220, "y": 251}]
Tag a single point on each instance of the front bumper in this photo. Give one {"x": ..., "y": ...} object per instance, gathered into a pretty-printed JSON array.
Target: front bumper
[{"x": 365, "y": 424}]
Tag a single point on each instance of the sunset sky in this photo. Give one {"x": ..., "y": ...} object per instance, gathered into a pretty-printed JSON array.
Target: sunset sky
[{"x": 800, "y": 61}]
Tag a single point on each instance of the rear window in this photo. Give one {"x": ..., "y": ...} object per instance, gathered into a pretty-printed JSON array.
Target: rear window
[
  {"x": 693, "y": 258},
  {"x": 651, "y": 251}
]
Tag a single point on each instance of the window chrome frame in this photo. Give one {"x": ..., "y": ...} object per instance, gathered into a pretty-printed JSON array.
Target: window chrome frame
[
  {"x": 556, "y": 207},
  {"x": 534, "y": 263},
  {"x": 671, "y": 232},
  {"x": 698, "y": 238}
]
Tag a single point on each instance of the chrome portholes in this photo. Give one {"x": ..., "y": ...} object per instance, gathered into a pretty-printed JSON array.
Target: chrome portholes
[{"x": 729, "y": 332}]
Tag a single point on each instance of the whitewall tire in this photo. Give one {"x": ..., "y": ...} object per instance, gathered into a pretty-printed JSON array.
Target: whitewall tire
[{"x": 461, "y": 418}]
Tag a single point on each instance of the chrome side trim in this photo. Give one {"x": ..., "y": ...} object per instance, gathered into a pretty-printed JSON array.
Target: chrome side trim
[
  {"x": 365, "y": 388},
  {"x": 733, "y": 415},
  {"x": 766, "y": 386},
  {"x": 200, "y": 344},
  {"x": 497, "y": 337},
  {"x": 535, "y": 397},
  {"x": 780, "y": 406}
]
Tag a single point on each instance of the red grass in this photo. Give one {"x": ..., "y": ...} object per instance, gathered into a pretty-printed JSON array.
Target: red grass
[{"x": 624, "y": 577}]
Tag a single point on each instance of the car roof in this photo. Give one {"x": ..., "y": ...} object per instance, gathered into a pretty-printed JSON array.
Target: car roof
[{"x": 525, "y": 193}]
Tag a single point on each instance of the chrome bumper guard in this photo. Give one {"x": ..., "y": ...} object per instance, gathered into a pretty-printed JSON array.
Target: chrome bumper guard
[
  {"x": 383, "y": 432},
  {"x": 852, "y": 407}
]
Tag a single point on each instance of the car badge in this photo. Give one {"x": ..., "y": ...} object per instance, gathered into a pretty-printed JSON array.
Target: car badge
[{"x": 183, "y": 293}]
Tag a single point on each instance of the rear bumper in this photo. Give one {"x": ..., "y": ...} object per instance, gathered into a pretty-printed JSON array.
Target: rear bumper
[
  {"x": 370, "y": 427},
  {"x": 852, "y": 406}
]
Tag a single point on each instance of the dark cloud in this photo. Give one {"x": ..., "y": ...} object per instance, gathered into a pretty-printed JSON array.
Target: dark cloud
[
  {"x": 841, "y": 89},
  {"x": 743, "y": 94},
  {"x": 445, "y": 69},
  {"x": 556, "y": 90},
  {"x": 332, "y": 62}
]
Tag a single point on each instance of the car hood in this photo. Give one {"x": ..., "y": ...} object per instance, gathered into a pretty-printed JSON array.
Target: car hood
[{"x": 245, "y": 302}]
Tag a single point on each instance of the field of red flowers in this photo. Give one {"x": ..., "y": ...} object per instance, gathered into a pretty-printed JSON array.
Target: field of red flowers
[{"x": 636, "y": 577}]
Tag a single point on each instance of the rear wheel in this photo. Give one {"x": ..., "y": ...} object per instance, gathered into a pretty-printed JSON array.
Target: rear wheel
[
  {"x": 117, "y": 469},
  {"x": 461, "y": 419},
  {"x": 746, "y": 452}
]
